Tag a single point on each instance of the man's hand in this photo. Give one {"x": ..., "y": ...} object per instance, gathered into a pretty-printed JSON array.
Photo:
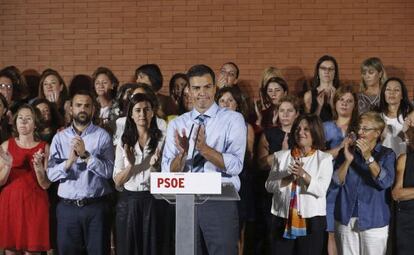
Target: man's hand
[
  {"x": 201, "y": 140},
  {"x": 181, "y": 141},
  {"x": 78, "y": 146}
]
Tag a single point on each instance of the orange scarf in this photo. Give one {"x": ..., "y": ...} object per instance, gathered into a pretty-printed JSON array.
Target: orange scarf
[{"x": 295, "y": 224}]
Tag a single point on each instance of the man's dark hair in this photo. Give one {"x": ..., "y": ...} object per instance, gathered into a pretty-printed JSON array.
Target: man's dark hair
[
  {"x": 235, "y": 66},
  {"x": 154, "y": 74},
  {"x": 200, "y": 70}
]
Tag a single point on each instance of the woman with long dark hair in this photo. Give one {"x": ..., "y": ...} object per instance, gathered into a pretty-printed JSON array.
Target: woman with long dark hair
[
  {"x": 136, "y": 157},
  {"x": 395, "y": 108},
  {"x": 319, "y": 99}
]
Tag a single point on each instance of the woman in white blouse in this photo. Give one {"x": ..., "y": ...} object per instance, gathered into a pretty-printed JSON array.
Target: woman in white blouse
[
  {"x": 136, "y": 156},
  {"x": 299, "y": 180}
]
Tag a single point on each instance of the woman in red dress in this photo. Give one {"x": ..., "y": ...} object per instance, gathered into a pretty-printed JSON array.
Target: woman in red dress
[{"x": 24, "y": 206}]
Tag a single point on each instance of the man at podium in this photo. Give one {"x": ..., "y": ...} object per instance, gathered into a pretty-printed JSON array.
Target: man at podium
[{"x": 209, "y": 139}]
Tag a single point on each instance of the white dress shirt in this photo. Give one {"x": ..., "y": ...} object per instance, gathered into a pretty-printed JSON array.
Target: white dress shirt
[{"x": 141, "y": 180}]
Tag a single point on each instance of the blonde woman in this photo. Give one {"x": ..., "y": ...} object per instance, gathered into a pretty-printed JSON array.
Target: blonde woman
[{"x": 373, "y": 76}]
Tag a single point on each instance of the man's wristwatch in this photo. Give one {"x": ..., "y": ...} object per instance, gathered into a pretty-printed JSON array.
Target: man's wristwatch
[
  {"x": 85, "y": 155},
  {"x": 370, "y": 160}
]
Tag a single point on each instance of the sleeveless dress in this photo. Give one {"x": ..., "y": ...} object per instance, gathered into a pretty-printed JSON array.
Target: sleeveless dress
[{"x": 24, "y": 205}]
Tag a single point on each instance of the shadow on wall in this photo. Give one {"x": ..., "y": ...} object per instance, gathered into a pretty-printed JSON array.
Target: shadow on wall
[
  {"x": 32, "y": 77},
  {"x": 80, "y": 82},
  {"x": 393, "y": 71},
  {"x": 296, "y": 80}
]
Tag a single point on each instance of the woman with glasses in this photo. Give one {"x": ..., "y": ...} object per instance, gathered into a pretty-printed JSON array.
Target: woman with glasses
[
  {"x": 106, "y": 85},
  {"x": 395, "y": 108},
  {"x": 299, "y": 180},
  {"x": 373, "y": 76},
  {"x": 319, "y": 99},
  {"x": 403, "y": 194},
  {"x": 364, "y": 173}
]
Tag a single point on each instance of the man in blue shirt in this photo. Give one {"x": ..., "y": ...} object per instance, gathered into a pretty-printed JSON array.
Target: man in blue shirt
[
  {"x": 209, "y": 139},
  {"x": 81, "y": 160}
]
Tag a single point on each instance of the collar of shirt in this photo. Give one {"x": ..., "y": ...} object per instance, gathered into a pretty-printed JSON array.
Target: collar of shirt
[
  {"x": 90, "y": 128},
  {"x": 211, "y": 112}
]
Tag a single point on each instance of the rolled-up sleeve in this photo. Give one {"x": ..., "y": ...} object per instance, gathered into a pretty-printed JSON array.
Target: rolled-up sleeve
[
  {"x": 57, "y": 160},
  {"x": 386, "y": 176},
  {"x": 170, "y": 151},
  {"x": 235, "y": 146},
  {"x": 102, "y": 163},
  {"x": 319, "y": 184}
]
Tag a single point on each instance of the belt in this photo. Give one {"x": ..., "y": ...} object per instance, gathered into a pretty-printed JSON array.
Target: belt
[{"x": 84, "y": 201}]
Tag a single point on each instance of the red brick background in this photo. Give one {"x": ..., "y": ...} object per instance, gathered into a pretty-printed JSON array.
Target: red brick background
[{"x": 79, "y": 35}]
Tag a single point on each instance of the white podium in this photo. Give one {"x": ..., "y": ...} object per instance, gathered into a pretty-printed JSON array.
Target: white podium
[{"x": 185, "y": 190}]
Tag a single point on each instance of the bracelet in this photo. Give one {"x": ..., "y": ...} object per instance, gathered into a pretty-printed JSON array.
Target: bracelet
[{"x": 303, "y": 175}]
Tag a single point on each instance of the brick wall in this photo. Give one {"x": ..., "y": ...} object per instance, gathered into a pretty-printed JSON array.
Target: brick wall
[{"x": 77, "y": 36}]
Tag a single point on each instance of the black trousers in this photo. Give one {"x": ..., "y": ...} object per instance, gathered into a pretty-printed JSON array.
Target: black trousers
[
  {"x": 83, "y": 230},
  {"x": 136, "y": 223},
  {"x": 404, "y": 229},
  {"x": 218, "y": 225},
  {"x": 311, "y": 244}
]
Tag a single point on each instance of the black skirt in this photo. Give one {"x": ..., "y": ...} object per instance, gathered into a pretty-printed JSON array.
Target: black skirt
[{"x": 136, "y": 223}]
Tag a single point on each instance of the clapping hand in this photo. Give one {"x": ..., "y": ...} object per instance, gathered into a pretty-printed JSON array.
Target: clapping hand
[
  {"x": 296, "y": 168},
  {"x": 5, "y": 158},
  {"x": 78, "y": 145},
  {"x": 130, "y": 154},
  {"x": 155, "y": 158},
  {"x": 38, "y": 160},
  {"x": 181, "y": 141}
]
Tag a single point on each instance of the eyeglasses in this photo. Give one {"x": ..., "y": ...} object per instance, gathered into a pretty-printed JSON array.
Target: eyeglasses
[
  {"x": 327, "y": 69},
  {"x": 6, "y": 86},
  {"x": 225, "y": 73},
  {"x": 365, "y": 129}
]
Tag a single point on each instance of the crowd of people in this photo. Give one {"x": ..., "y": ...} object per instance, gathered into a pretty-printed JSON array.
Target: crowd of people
[{"x": 326, "y": 171}]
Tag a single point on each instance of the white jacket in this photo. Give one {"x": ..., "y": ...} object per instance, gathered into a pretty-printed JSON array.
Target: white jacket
[{"x": 312, "y": 198}]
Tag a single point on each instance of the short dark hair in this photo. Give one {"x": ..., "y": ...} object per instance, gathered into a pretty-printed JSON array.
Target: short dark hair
[
  {"x": 238, "y": 97},
  {"x": 83, "y": 93},
  {"x": 201, "y": 70},
  {"x": 316, "y": 130},
  {"x": 108, "y": 72},
  {"x": 20, "y": 89},
  {"x": 130, "y": 135},
  {"x": 235, "y": 66},
  {"x": 154, "y": 74}
]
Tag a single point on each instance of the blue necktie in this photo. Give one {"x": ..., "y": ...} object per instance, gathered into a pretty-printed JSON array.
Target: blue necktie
[{"x": 198, "y": 159}]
